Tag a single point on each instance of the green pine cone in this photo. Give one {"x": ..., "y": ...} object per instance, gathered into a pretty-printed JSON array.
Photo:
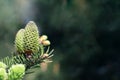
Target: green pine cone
[
  {"x": 19, "y": 41},
  {"x": 31, "y": 37}
]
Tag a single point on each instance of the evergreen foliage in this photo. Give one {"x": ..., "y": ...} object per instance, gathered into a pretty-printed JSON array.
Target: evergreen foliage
[{"x": 29, "y": 51}]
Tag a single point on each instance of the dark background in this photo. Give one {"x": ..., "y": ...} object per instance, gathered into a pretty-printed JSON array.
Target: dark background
[{"x": 84, "y": 33}]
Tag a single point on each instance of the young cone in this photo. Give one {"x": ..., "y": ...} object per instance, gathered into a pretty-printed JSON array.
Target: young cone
[
  {"x": 31, "y": 38},
  {"x": 19, "y": 40}
]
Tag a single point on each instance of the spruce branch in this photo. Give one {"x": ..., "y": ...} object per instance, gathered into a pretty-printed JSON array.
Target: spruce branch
[{"x": 30, "y": 48}]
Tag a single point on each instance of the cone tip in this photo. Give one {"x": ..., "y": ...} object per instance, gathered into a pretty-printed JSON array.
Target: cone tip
[{"x": 31, "y": 22}]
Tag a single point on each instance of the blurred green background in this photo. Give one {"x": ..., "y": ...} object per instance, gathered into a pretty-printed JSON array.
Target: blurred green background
[{"x": 84, "y": 33}]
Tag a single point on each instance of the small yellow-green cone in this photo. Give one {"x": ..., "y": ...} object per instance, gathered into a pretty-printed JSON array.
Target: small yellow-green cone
[
  {"x": 31, "y": 37},
  {"x": 19, "y": 40}
]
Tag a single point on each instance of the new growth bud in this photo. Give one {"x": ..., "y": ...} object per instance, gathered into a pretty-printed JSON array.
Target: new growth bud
[
  {"x": 46, "y": 43},
  {"x": 43, "y": 38},
  {"x": 16, "y": 72},
  {"x": 3, "y": 74},
  {"x": 2, "y": 65}
]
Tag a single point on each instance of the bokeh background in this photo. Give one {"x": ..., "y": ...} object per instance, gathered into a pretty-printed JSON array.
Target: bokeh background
[{"x": 84, "y": 33}]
